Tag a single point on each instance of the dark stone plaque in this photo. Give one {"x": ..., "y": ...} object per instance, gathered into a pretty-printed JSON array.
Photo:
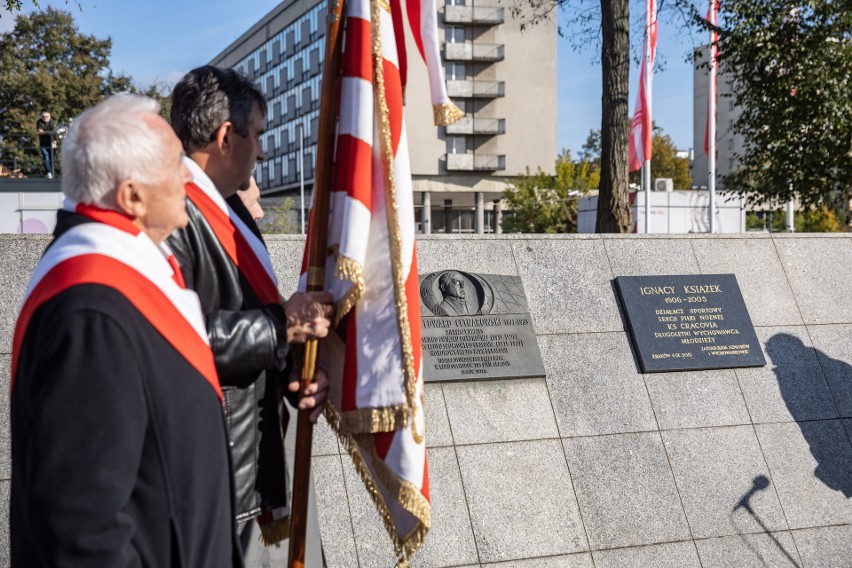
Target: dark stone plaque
[
  {"x": 688, "y": 323},
  {"x": 476, "y": 326}
]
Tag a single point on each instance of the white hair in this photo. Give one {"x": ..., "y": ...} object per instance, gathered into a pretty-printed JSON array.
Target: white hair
[{"x": 110, "y": 143}]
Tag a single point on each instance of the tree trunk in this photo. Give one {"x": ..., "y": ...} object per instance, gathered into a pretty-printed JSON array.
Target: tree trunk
[{"x": 613, "y": 200}]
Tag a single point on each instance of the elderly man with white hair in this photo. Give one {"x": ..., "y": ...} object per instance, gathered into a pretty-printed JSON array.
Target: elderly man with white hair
[{"x": 119, "y": 446}]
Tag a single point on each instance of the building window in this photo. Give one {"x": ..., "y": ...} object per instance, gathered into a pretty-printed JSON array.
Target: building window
[
  {"x": 456, "y": 72},
  {"x": 456, "y": 145},
  {"x": 454, "y": 34}
]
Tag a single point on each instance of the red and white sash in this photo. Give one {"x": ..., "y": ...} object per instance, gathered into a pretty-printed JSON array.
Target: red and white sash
[
  {"x": 113, "y": 252},
  {"x": 242, "y": 246}
]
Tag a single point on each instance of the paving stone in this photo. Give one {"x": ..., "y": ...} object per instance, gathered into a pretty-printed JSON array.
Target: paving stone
[
  {"x": 521, "y": 501},
  {"x": 583, "y": 560},
  {"x": 715, "y": 469},
  {"x": 825, "y": 547},
  {"x": 325, "y": 440},
  {"x": 762, "y": 550},
  {"x": 479, "y": 256},
  {"x": 791, "y": 387},
  {"x": 763, "y": 283},
  {"x": 667, "y": 555},
  {"x": 626, "y": 491},
  {"x": 833, "y": 344},
  {"x": 650, "y": 257},
  {"x": 499, "y": 411},
  {"x": 437, "y": 424},
  {"x": 809, "y": 465},
  {"x": 450, "y": 540},
  {"x": 694, "y": 399},
  {"x": 338, "y": 539},
  {"x": 811, "y": 266},
  {"x": 594, "y": 385},
  {"x": 568, "y": 285},
  {"x": 5, "y": 557}
]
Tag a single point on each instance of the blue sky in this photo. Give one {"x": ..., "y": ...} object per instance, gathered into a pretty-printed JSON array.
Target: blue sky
[{"x": 161, "y": 40}]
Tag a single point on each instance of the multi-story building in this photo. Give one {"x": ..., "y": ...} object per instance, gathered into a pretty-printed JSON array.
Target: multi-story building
[
  {"x": 503, "y": 77},
  {"x": 728, "y": 143}
]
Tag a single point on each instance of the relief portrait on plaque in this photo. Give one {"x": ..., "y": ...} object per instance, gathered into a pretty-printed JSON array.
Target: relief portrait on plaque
[{"x": 456, "y": 293}]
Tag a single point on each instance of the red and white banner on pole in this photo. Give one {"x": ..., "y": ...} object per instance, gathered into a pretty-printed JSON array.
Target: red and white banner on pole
[
  {"x": 639, "y": 150},
  {"x": 712, "y": 18},
  {"x": 373, "y": 358}
]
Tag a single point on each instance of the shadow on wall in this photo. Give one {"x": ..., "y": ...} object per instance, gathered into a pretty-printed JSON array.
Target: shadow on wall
[{"x": 808, "y": 397}]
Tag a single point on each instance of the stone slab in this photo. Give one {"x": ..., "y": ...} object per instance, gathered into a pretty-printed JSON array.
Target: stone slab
[
  {"x": 338, "y": 538},
  {"x": 825, "y": 547},
  {"x": 486, "y": 256},
  {"x": 809, "y": 465},
  {"x": 833, "y": 344},
  {"x": 568, "y": 285},
  {"x": 714, "y": 469},
  {"x": 626, "y": 491},
  {"x": 761, "y": 277},
  {"x": 500, "y": 411},
  {"x": 776, "y": 550},
  {"x": 5, "y": 556},
  {"x": 792, "y": 385},
  {"x": 667, "y": 555},
  {"x": 695, "y": 399},
  {"x": 438, "y": 432},
  {"x": 450, "y": 541},
  {"x": 21, "y": 252},
  {"x": 5, "y": 420},
  {"x": 286, "y": 254},
  {"x": 647, "y": 257},
  {"x": 583, "y": 560},
  {"x": 820, "y": 289},
  {"x": 595, "y": 386},
  {"x": 521, "y": 500}
]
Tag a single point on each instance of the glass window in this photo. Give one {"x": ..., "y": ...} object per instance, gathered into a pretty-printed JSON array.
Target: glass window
[
  {"x": 454, "y": 34},
  {"x": 456, "y": 145},
  {"x": 456, "y": 71}
]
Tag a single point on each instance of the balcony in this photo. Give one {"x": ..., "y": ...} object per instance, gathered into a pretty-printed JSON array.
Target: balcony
[
  {"x": 470, "y": 51},
  {"x": 476, "y": 125},
  {"x": 487, "y": 15},
  {"x": 475, "y": 162},
  {"x": 476, "y": 89}
]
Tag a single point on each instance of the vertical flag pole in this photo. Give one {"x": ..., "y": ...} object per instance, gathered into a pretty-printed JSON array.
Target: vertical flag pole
[
  {"x": 317, "y": 234},
  {"x": 646, "y": 167},
  {"x": 711, "y": 122}
]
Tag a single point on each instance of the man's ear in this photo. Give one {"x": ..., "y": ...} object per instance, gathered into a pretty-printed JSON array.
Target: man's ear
[
  {"x": 130, "y": 199},
  {"x": 224, "y": 137}
]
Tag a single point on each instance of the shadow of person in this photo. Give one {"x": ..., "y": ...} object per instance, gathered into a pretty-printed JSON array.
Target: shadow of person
[{"x": 810, "y": 402}]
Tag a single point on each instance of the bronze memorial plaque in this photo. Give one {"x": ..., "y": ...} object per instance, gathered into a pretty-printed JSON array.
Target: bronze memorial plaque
[
  {"x": 476, "y": 326},
  {"x": 688, "y": 323}
]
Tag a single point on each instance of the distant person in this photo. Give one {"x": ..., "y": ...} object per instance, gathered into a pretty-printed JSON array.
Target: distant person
[
  {"x": 251, "y": 199},
  {"x": 119, "y": 446},
  {"x": 46, "y": 130}
]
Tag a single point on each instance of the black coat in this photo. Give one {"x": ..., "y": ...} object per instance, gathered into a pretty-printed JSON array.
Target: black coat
[
  {"x": 119, "y": 449},
  {"x": 250, "y": 349}
]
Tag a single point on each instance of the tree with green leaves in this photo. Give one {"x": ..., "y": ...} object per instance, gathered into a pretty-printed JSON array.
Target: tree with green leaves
[
  {"x": 543, "y": 203},
  {"x": 665, "y": 162},
  {"x": 46, "y": 63},
  {"x": 791, "y": 64}
]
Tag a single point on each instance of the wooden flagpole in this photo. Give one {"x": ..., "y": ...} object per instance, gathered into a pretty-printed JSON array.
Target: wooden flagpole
[{"x": 318, "y": 230}]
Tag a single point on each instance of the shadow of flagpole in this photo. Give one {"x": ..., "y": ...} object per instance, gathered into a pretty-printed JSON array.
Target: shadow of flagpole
[{"x": 760, "y": 483}]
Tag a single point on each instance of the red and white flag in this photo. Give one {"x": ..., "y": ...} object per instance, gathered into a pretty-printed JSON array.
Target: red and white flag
[
  {"x": 639, "y": 149},
  {"x": 373, "y": 359}
]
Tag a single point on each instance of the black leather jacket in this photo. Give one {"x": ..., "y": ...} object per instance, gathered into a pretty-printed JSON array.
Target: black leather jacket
[{"x": 249, "y": 344}]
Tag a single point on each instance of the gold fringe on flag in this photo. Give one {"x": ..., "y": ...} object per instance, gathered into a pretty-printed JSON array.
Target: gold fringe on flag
[{"x": 446, "y": 114}]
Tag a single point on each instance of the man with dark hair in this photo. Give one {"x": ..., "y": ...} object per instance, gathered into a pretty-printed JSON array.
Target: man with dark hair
[
  {"x": 44, "y": 125},
  {"x": 219, "y": 116}
]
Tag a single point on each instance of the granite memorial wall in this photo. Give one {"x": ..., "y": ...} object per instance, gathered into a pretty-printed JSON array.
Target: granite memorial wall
[{"x": 593, "y": 463}]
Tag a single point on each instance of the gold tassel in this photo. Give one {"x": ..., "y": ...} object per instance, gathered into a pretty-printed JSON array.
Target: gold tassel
[
  {"x": 446, "y": 114},
  {"x": 275, "y": 532}
]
